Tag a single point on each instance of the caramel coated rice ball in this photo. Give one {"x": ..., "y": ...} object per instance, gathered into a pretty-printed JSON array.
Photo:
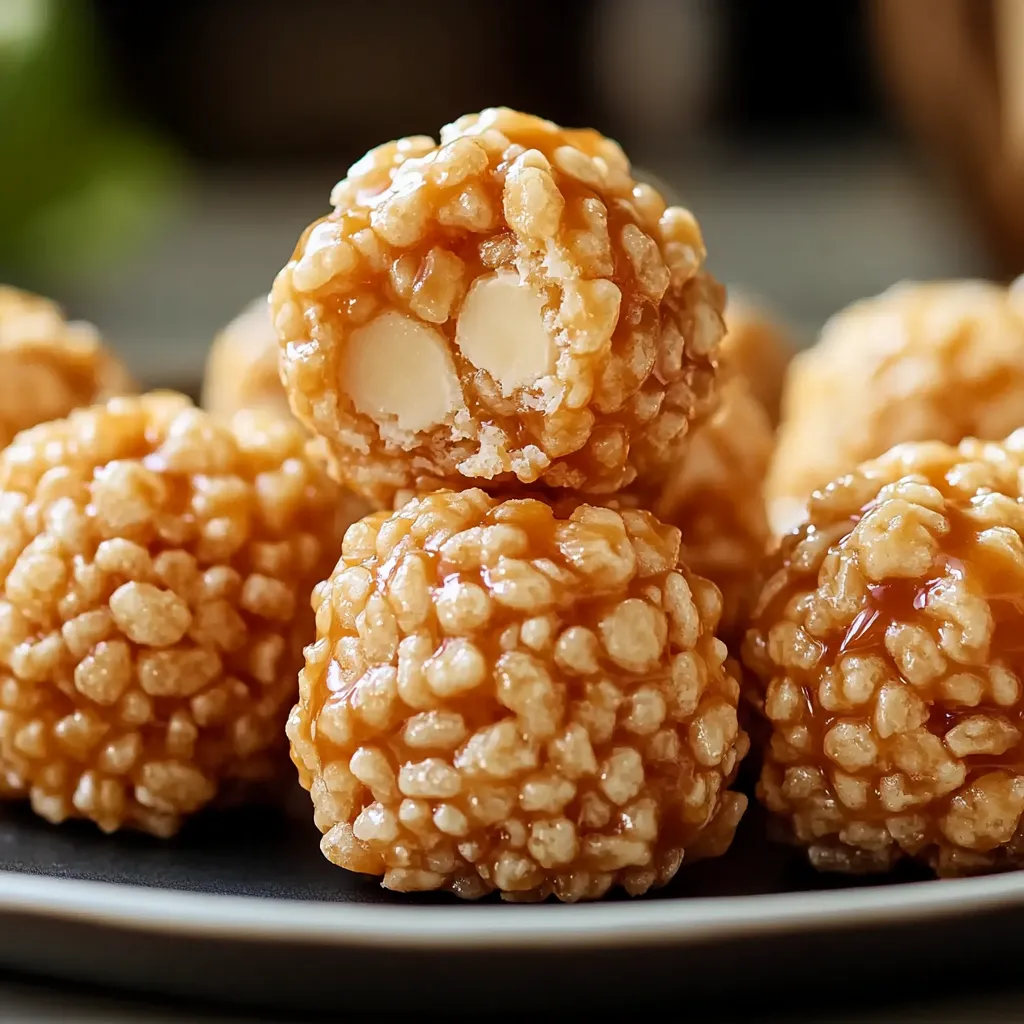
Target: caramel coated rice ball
[
  {"x": 241, "y": 368},
  {"x": 759, "y": 347},
  {"x": 156, "y": 569},
  {"x": 938, "y": 361},
  {"x": 501, "y": 699},
  {"x": 507, "y": 308},
  {"x": 49, "y": 366},
  {"x": 887, "y": 644}
]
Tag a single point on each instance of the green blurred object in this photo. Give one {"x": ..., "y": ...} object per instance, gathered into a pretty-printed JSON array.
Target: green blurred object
[{"x": 79, "y": 187}]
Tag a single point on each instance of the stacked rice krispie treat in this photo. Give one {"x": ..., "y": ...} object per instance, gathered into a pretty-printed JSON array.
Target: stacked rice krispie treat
[{"x": 519, "y": 683}]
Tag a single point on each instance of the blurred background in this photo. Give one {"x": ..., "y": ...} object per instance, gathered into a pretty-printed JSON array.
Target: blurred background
[{"x": 160, "y": 158}]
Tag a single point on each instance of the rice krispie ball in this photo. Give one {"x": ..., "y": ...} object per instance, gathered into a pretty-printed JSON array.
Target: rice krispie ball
[
  {"x": 242, "y": 366},
  {"x": 508, "y": 307},
  {"x": 49, "y": 366},
  {"x": 499, "y": 698},
  {"x": 887, "y": 647},
  {"x": 758, "y": 346},
  {"x": 716, "y": 498},
  {"x": 937, "y": 361},
  {"x": 156, "y": 568}
]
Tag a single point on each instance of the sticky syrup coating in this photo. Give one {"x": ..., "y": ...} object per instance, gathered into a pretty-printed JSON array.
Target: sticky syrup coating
[
  {"x": 936, "y": 361},
  {"x": 500, "y": 699},
  {"x": 156, "y": 567},
  {"x": 50, "y": 366},
  {"x": 241, "y": 367},
  {"x": 886, "y": 644},
  {"x": 759, "y": 346},
  {"x": 508, "y": 307}
]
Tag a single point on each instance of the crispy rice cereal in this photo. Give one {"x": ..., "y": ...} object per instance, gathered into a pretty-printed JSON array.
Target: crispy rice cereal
[
  {"x": 759, "y": 347},
  {"x": 156, "y": 568},
  {"x": 509, "y": 307},
  {"x": 241, "y": 369},
  {"x": 939, "y": 361},
  {"x": 887, "y": 642},
  {"x": 49, "y": 366},
  {"x": 502, "y": 699}
]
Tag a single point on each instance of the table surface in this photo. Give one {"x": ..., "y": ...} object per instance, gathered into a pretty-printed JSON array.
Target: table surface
[{"x": 810, "y": 233}]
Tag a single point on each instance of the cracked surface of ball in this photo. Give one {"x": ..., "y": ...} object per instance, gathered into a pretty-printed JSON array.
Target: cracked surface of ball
[
  {"x": 938, "y": 361},
  {"x": 716, "y": 497},
  {"x": 499, "y": 698},
  {"x": 49, "y": 365},
  {"x": 758, "y": 346},
  {"x": 155, "y": 576},
  {"x": 242, "y": 366},
  {"x": 509, "y": 307},
  {"x": 887, "y": 647}
]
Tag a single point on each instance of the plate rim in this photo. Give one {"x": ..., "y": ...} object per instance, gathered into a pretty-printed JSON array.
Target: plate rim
[{"x": 682, "y": 921}]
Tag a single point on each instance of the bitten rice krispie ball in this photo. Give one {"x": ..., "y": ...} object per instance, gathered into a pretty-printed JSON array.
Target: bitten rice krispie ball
[
  {"x": 887, "y": 642},
  {"x": 155, "y": 576},
  {"x": 716, "y": 497},
  {"x": 49, "y": 366},
  {"x": 758, "y": 346},
  {"x": 938, "y": 361},
  {"x": 507, "y": 308},
  {"x": 499, "y": 698},
  {"x": 241, "y": 369}
]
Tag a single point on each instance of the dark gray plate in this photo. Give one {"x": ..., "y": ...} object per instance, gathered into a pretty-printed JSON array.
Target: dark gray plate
[{"x": 242, "y": 907}]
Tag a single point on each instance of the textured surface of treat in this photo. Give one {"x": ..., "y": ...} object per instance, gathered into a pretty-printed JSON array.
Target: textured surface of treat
[
  {"x": 507, "y": 308},
  {"x": 156, "y": 568},
  {"x": 499, "y": 698},
  {"x": 937, "y": 361},
  {"x": 49, "y": 365},
  {"x": 715, "y": 497},
  {"x": 887, "y": 647},
  {"x": 759, "y": 346},
  {"x": 242, "y": 366}
]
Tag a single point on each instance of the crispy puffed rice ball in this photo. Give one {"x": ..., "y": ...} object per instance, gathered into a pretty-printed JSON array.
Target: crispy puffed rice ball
[
  {"x": 758, "y": 346},
  {"x": 937, "y": 361},
  {"x": 155, "y": 576},
  {"x": 887, "y": 645},
  {"x": 241, "y": 368},
  {"x": 499, "y": 698},
  {"x": 48, "y": 365},
  {"x": 509, "y": 307}
]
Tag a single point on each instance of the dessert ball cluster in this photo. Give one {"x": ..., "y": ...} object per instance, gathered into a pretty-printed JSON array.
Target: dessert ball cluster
[
  {"x": 502, "y": 698},
  {"x": 886, "y": 646},
  {"x": 242, "y": 366},
  {"x": 506, "y": 308},
  {"x": 155, "y": 573},
  {"x": 939, "y": 361},
  {"x": 49, "y": 366}
]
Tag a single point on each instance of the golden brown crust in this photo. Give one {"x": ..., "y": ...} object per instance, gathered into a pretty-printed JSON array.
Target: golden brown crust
[
  {"x": 500, "y": 698},
  {"x": 939, "y": 361},
  {"x": 50, "y": 366},
  {"x": 513, "y": 226},
  {"x": 886, "y": 644},
  {"x": 242, "y": 366},
  {"x": 155, "y": 572}
]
